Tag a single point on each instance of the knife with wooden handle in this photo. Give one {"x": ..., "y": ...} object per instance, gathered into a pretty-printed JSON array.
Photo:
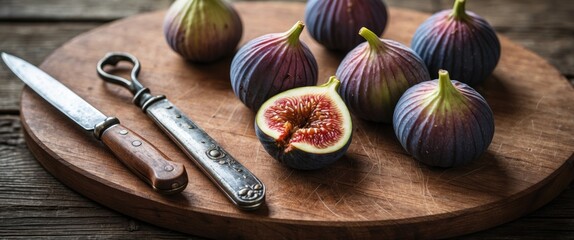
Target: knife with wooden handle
[
  {"x": 239, "y": 184},
  {"x": 141, "y": 157}
]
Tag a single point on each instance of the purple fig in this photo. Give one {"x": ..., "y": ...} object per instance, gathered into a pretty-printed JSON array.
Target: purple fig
[
  {"x": 375, "y": 74},
  {"x": 270, "y": 64},
  {"x": 460, "y": 42},
  {"x": 335, "y": 23},
  {"x": 443, "y": 123},
  {"x": 307, "y": 127},
  {"x": 202, "y": 30}
]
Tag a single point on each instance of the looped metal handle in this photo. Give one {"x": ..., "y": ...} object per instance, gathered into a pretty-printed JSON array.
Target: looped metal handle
[
  {"x": 112, "y": 59},
  {"x": 142, "y": 97}
]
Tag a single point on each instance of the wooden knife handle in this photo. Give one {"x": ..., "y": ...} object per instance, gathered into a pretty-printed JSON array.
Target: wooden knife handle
[{"x": 145, "y": 160}]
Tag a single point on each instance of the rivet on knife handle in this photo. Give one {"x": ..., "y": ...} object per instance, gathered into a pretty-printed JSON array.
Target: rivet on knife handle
[
  {"x": 141, "y": 157},
  {"x": 241, "y": 186}
]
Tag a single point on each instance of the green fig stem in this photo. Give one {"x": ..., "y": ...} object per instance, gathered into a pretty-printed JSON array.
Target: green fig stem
[
  {"x": 458, "y": 10},
  {"x": 445, "y": 88},
  {"x": 372, "y": 38},
  {"x": 294, "y": 33},
  {"x": 333, "y": 83}
]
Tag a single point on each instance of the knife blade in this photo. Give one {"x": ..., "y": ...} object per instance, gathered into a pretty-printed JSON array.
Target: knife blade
[
  {"x": 140, "y": 156},
  {"x": 239, "y": 184}
]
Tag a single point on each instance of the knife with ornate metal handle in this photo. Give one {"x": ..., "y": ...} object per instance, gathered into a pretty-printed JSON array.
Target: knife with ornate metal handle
[
  {"x": 141, "y": 157},
  {"x": 240, "y": 185}
]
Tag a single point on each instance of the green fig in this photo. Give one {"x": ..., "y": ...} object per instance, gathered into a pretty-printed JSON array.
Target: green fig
[{"x": 202, "y": 30}]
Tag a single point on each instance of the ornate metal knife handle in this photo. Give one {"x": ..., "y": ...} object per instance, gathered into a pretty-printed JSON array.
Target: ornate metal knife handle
[{"x": 239, "y": 185}]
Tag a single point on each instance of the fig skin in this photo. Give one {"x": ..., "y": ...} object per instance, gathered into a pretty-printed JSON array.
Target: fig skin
[
  {"x": 333, "y": 130},
  {"x": 443, "y": 123},
  {"x": 335, "y": 23},
  {"x": 202, "y": 31},
  {"x": 460, "y": 42},
  {"x": 375, "y": 74},
  {"x": 270, "y": 64}
]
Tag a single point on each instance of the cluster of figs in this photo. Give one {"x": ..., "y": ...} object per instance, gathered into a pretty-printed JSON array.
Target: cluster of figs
[{"x": 440, "y": 122}]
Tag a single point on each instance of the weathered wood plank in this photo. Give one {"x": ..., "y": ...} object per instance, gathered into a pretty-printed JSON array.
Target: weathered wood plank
[
  {"x": 85, "y": 10},
  {"x": 33, "y": 42},
  {"x": 524, "y": 13},
  {"x": 516, "y": 14}
]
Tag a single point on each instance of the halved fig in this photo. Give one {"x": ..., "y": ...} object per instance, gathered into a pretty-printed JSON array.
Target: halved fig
[{"x": 307, "y": 127}]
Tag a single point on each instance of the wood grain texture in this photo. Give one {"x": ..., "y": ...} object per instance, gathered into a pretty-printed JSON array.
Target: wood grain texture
[
  {"x": 33, "y": 42},
  {"x": 376, "y": 190},
  {"x": 86, "y": 10}
]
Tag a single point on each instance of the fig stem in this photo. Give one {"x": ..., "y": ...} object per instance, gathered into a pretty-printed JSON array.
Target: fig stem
[
  {"x": 445, "y": 87},
  {"x": 372, "y": 38},
  {"x": 294, "y": 33},
  {"x": 458, "y": 10},
  {"x": 333, "y": 83}
]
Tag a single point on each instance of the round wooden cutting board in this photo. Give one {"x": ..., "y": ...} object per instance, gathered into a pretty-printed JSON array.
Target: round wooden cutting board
[{"x": 375, "y": 191}]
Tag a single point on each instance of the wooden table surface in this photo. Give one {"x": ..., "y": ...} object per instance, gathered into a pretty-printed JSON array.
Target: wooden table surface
[{"x": 33, "y": 204}]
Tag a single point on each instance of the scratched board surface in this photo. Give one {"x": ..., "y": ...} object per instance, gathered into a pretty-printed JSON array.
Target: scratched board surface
[{"x": 376, "y": 190}]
